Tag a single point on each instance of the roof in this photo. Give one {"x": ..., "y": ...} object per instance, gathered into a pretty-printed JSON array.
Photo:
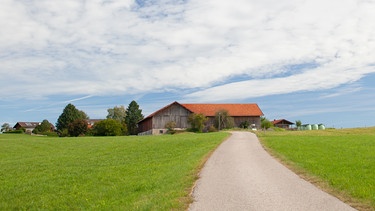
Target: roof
[
  {"x": 92, "y": 121},
  {"x": 233, "y": 109},
  {"x": 211, "y": 109},
  {"x": 27, "y": 124},
  {"x": 284, "y": 121}
]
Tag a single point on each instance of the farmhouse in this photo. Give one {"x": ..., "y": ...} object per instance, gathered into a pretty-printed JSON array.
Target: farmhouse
[
  {"x": 282, "y": 123},
  {"x": 28, "y": 126},
  {"x": 179, "y": 113}
]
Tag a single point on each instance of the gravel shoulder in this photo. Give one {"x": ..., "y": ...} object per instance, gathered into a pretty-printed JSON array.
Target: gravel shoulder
[{"x": 241, "y": 175}]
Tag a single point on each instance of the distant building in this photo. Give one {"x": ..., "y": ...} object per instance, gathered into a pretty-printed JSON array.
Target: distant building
[
  {"x": 91, "y": 122},
  {"x": 282, "y": 123},
  {"x": 28, "y": 126},
  {"x": 179, "y": 113}
]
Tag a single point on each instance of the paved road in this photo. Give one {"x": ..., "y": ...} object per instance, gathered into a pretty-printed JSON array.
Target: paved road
[{"x": 241, "y": 175}]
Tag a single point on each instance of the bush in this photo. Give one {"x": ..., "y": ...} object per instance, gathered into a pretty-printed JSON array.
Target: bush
[
  {"x": 244, "y": 125},
  {"x": 63, "y": 133},
  {"x": 265, "y": 123},
  {"x": 197, "y": 122},
  {"x": 171, "y": 125},
  {"x": 44, "y": 127},
  {"x": 109, "y": 127},
  {"x": 211, "y": 129},
  {"x": 223, "y": 120},
  {"x": 16, "y": 131},
  {"x": 78, "y": 127}
]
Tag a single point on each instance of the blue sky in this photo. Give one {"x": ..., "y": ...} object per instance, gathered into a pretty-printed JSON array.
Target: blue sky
[{"x": 312, "y": 61}]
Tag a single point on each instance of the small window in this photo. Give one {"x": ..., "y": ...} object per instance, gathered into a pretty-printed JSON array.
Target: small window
[{"x": 161, "y": 131}]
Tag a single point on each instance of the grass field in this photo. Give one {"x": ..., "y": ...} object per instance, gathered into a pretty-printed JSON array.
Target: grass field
[
  {"x": 342, "y": 160},
  {"x": 101, "y": 173}
]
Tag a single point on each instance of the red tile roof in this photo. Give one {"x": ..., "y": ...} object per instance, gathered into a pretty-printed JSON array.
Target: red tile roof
[
  {"x": 211, "y": 109},
  {"x": 233, "y": 109}
]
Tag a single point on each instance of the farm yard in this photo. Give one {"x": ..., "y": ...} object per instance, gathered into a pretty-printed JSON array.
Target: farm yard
[{"x": 341, "y": 162}]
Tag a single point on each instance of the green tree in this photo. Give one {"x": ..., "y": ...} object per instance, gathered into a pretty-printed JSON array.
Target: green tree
[
  {"x": 171, "y": 125},
  {"x": 223, "y": 120},
  {"x": 245, "y": 124},
  {"x": 197, "y": 122},
  {"x": 298, "y": 124},
  {"x": 265, "y": 123},
  {"x": 44, "y": 127},
  {"x": 133, "y": 116},
  {"x": 109, "y": 127},
  {"x": 5, "y": 127},
  {"x": 78, "y": 127},
  {"x": 117, "y": 113},
  {"x": 69, "y": 115}
]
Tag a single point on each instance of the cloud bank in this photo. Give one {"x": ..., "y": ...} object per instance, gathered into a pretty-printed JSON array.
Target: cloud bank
[{"x": 213, "y": 50}]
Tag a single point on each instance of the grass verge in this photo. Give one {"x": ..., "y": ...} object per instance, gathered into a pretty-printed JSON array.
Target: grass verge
[
  {"x": 101, "y": 173},
  {"x": 341, "y": 162}
]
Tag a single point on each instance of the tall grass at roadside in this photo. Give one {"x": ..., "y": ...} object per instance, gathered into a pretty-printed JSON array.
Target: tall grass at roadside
[
  {"x": 343, "y": 159},
  {"x": 105, "y": 173}
]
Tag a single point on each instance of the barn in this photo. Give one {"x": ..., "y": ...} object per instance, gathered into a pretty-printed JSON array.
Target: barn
[
  {"x": 282, "y": 123},
  {"x": 179, "y": 113},
  {"x": 28, "y": 126}
]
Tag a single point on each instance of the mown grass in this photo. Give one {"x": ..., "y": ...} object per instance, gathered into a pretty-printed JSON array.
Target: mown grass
[
  {"x": 342, "y": 160},
  {"x": 101, "y": 173}
]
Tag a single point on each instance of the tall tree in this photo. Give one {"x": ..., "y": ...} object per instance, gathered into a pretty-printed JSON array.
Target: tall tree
[
  {"x": 5, "y": 127},
  {"x": 78, "y": 127},
  {"x": 69, "y": 115},
  {"x": 133, "y": 116},
  {"x": 45, "y": 126},
  {"x": 265, "y": 123},
  {"x": 117, "y": 113},
  {"x": 223, "y": 120},
  {"x": 298, "y": 124},
  {"x": 197, "y": 122}
]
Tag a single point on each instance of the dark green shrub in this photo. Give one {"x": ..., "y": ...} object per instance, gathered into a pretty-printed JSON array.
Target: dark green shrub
[
  {"x": 109, "y": 127},
  {"x": 223, "y": 120},
  {"x": 197, "y": 122},
  {"x": 16, "y": 131},
  {"x": 244, "y": 125},
  {"x": 211, "y": 129},
  {"x": 78, "y": 127},
  {"x": 171, "y": 125}
]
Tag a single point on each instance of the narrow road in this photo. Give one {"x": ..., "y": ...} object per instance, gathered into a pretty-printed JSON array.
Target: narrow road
[{"x": 241, "y": 175}]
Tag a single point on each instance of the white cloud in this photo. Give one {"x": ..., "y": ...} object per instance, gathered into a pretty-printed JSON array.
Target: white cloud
[{"x": 115, "y": 47}]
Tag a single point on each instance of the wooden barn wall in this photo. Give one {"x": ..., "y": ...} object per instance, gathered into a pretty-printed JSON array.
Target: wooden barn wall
[
  {"x": 251, "y": 119},
  {"x": 238, "y": 120},
  {"x": 174, "y": 113},
  {"x": 145, "y": 125}
]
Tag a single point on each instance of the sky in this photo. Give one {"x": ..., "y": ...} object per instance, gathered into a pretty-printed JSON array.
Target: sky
[{"x": 311, "y": 60}]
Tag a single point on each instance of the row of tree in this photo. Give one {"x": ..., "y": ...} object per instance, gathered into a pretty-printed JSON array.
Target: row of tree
[
  {"x": 120, "y": 121},
  {"x": 74, "y": 122}
]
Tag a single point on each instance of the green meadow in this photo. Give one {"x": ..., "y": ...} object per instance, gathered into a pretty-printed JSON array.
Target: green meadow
[
  {"x": 101, "y": 173},
  {"x": 340, "y": 161}
]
